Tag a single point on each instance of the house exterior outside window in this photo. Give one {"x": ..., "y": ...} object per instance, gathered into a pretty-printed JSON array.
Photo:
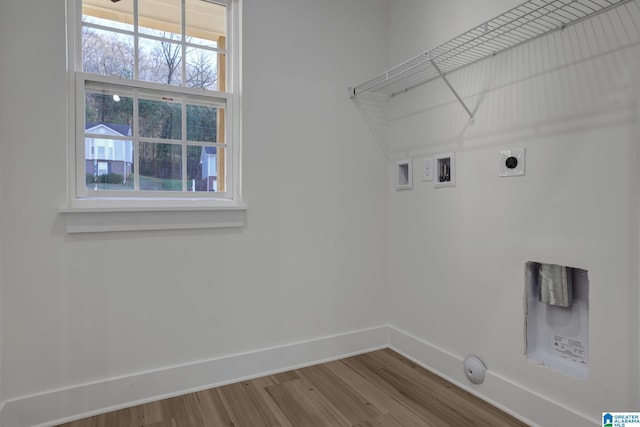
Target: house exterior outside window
[{"x": 108, "y": 161}]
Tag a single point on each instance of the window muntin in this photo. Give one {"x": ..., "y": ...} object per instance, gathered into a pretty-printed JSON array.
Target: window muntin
[
  {"x": 155, "y": 81},
  {"x": 152, "y": 141}
]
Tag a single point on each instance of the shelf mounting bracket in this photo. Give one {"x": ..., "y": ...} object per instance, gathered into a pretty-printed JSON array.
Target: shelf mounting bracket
[{"x": 455, "y": 93}]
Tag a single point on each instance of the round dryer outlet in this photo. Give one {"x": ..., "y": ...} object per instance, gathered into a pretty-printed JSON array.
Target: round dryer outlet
[
  {"x": 512, "y": 162},
  {"x": 474, "y": 369}
]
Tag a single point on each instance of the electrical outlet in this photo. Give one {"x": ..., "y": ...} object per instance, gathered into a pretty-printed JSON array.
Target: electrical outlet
[{"x": 427, "y": 171}]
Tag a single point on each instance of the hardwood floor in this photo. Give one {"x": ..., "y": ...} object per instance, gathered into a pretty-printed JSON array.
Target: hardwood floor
[{"x": 377, "y": 389}]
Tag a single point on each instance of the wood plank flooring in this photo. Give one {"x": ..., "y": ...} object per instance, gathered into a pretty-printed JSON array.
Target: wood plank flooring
[{"x": 377, "y": 389}]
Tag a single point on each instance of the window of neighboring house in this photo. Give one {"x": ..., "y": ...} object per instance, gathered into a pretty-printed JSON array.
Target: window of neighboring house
[
  {"x": 154, "y": 99},
  {"x": 103, "y": 168}
]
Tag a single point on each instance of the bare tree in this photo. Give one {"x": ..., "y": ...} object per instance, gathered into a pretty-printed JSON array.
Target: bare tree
[
  {"x": 160, "y": 61},
  {"x": 201, "y": 72},
  {"x": 171, "y": 54},
  {"x": 106, "y": 53}
]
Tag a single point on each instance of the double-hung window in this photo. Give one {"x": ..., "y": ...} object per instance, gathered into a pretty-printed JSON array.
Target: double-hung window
[{"x": 155, "y": 110}]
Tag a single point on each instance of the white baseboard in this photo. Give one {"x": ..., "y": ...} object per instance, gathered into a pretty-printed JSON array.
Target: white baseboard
[
  {"x": 515, "y": 399},
  {"x": 72, "y": 403},
  {"x": 68, "y": 404}
]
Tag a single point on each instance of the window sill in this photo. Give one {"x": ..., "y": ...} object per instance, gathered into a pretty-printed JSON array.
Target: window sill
[{"x": 100, "y": 216}]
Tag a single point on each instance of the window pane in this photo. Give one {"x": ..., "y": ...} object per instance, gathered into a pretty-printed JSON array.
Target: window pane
[
  {"x": 205, "y": 168},
  {"x": 160, "y": 61},
  {"x": 108, "y": 164},
  {"x": 221, "y": 172},
  {"x": 205, "y": 22},
  {"x": 202, "y": 68},
  {"x": 160, "y": 167},
  {"x": 198, "y": 162},
  {"x": 160, "y": 17},
  {"x": 202, "y": 123},
  {"x": 160, "y": 119},
  {"x": 114, "y": 15},
  {"x": 107, "y": 53},
  {"x": 108, "y": 160},
  {"x": 113, "y": 111}
]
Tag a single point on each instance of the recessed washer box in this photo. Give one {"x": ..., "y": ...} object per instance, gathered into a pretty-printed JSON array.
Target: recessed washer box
[
  {"x": 404, "y": 175},
  {"x": 445, "y": 170},
  {"x": 557, "y": 337},
  {"x": 512, "y": 162}
]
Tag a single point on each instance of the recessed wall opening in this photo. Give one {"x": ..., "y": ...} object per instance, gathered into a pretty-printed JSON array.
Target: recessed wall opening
[
  {"x": 445, "y": 170},
  {"x": 557, "y": 317},
  {"x": 404, "y": 175}
]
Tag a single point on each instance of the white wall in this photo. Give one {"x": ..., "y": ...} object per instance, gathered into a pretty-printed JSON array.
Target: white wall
[
  {"x": 3, "y": 85},
  {"x": 459, "y": 253},
  {"x": 310, "y": 263},
  {"x": 419, "y": 25}
]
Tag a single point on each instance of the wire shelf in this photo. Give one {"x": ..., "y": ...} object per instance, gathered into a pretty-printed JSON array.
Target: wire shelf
[{"x": 530, "y": 20}]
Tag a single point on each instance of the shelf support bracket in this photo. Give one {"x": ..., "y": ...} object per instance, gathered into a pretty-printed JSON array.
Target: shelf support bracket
[{"x": 453, "y": 90}]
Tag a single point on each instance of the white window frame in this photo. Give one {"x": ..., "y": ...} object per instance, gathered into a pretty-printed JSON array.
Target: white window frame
[{"x": 81, "y": 202}]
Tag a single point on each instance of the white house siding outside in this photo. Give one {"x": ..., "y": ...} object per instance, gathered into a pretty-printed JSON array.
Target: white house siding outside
[{"x": 103, "y": 155}]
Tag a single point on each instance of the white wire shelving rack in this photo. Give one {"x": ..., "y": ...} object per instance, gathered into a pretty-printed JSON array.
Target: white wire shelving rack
[{"x": 524, "y": 23}]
